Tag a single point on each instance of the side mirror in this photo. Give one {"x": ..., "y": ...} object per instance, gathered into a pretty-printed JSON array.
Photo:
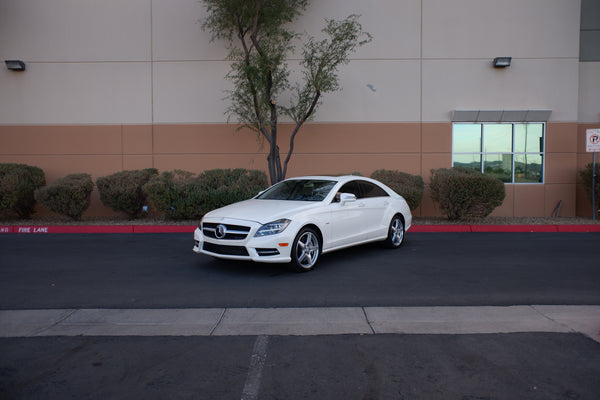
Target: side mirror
[{"x": 347, "y": 198}]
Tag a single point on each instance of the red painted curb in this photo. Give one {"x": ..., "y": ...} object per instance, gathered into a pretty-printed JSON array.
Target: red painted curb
[
  {"x": 99, "y": 229},
  {"x": 191, "y": 228},
  {"x": 579, "y": 228},
  {"x": 439, "y": 228},
  {"x": 164, "y": 228},
  {"x": 514, "y": 228}
]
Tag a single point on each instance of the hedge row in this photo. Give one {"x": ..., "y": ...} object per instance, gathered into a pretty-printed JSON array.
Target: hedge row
[
  {"x": 183, "y": 195},
  {"x": 177, "y": 194},
  {"x": 459, "y": 192}
]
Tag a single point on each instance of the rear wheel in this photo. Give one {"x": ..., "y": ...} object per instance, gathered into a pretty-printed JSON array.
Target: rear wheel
[
  {"x": 395, "y": 236},
  {"x": 306, "y": 250}
]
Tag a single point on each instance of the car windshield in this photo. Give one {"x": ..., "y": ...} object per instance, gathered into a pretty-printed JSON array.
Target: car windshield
[{"x": 299, "y": 190}]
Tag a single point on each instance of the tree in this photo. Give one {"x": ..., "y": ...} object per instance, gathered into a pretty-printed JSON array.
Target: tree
[{"x": 259, "y": 40}]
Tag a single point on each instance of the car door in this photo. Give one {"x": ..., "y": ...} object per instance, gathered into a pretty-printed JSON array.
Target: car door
[
  {"x": 347, "y": 218},
  {"x": 375, "y": 201}
]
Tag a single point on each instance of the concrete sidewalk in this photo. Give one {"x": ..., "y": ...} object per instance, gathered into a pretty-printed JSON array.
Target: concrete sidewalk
[{"x": 300, "y": 321}]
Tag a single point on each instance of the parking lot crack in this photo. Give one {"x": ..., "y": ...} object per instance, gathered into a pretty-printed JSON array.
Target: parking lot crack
[
  {"x": 212, "y": 331},
  {"x": 554, "y": 321},
  {"x": 367, "y": 320},
  {"x": 62, "y": 319}
]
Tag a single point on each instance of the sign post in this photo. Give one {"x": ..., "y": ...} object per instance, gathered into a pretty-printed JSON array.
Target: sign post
[{"x": 592, "y": 145}]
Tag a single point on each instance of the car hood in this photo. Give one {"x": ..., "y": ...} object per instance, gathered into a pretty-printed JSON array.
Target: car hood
[{"x": 261, "y": 211}]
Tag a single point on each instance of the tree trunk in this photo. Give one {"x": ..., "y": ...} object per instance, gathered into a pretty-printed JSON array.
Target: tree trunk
[{"x": 274, "y": 162}]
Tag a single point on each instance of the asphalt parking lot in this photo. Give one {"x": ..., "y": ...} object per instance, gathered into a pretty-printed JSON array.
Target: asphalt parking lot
[
  {"x": 431, "y": 269},
  {"x": 94, "y": 278},
  {"x": 495, "y": 366}
]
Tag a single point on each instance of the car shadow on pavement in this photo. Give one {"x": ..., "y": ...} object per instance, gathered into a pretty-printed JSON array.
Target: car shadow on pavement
[
  {"x": 243, "y": 268},
  {"x": 334, "y": 260}
]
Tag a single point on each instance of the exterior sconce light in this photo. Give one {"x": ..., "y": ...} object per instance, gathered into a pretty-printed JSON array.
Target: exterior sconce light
[
  {"x": 15, "y": 65},
  {"x": 502, "y": 62}
]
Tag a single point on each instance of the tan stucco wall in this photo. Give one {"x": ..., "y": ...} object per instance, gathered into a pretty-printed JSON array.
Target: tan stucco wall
[
  {"x": 114, "y": 85},
  {"x": 150, "y": 62},
  {"x": 320, "y": 149}
]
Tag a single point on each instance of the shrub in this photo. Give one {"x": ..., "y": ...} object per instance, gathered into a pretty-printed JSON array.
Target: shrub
[
  {"x": 18, "y": 183},
  {"x": 463, "y": 192},
  {"x": 182, "y": 195},
  {"x": 123, "y": 192},
  {"x": 586, "y": 176},
  {"x": 175, "y": 194},
  {"x": 227, "y": 186},
  {"x": 68, "y": 196},
  {"x": 408, "y": 186}
]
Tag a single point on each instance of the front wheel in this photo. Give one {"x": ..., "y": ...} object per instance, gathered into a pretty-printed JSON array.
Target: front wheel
[
  {"x": 395, "y": 236},
  {"x": 306, "y": 250}
]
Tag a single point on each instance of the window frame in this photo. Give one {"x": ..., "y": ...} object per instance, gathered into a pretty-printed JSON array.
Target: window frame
[{"x": 513, "y": 151}]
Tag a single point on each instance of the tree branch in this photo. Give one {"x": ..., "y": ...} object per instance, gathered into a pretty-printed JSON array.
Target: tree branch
[{"x": 299, "y": 124}]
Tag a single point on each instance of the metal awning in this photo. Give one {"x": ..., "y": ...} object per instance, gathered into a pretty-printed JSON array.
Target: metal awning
[{"x": 501, "y": 115}]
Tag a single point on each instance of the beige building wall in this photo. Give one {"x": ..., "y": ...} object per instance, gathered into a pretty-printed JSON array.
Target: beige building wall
[{"x": 114, "y": 85}]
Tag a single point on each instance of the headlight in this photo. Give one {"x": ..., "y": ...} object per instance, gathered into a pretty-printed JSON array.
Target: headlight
[{"x": 273, "y": 228}]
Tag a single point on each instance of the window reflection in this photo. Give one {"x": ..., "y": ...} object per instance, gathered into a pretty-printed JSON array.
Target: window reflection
[
  {"x": 466, "y": 138},
  {"x": 497, "y": 138},
  {"x": 528, "y": 168},
  {"x": 529, "y": 138},
  {"x": 468, "y": 161},
  {"x": 499, "y": 166},
  {"x": 512, "y": 152}
]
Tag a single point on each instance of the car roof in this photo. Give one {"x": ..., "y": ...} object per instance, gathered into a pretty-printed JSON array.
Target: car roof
[{"x": 341, "y": 178}]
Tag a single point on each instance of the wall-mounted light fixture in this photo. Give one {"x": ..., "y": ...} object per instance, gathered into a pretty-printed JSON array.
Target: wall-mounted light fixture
[
  {"x": 502, "y": 62},
  {"x": 15, "y": 65}
]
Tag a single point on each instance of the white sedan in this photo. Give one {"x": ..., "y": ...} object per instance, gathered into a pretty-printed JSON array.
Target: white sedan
[{"x": 299, "y": 219}]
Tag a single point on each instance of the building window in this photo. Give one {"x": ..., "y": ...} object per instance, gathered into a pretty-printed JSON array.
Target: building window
[{"x": 512, "y": 152}]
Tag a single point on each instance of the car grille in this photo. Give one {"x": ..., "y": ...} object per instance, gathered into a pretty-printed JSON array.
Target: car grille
[
  {"x": 232, "y": 232},
  {"x": 225, "y": 250}
]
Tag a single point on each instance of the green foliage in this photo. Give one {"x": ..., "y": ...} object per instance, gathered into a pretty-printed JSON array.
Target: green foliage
[
  {"x": 464, "y": 192},
  {"x": 68, "y": 196},
  {"x": 586, "y": 176},
  {"x": 123, "y": 192},
  {"x": 176, "y": 194},
  {"x": 18, "y": 183},
  {"x": 260, "y": 42},
  {"x": 408, "y": 186},
  {"x": 182, "y": 195}
]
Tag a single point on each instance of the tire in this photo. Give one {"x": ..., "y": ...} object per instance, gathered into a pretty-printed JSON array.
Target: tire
[
  {"x": 306, "y": 250},
  {"x": 396, "y": 232}
]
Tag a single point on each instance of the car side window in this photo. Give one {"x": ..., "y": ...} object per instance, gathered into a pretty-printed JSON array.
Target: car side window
[
  {"x": 351, "y": 187},
  {"x": 371, "y": 190}
]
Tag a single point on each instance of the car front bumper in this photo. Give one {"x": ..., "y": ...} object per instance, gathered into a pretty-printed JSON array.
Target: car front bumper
[{"x": 266, "y": 249}]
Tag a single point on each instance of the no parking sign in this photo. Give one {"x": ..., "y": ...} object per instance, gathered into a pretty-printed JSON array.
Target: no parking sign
[
  {"x": 592, "y": 145},
  {"x": 592, "y": 140}
]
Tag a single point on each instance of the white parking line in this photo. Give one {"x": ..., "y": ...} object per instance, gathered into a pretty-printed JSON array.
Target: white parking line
[{"x": 257, "y": 363}]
